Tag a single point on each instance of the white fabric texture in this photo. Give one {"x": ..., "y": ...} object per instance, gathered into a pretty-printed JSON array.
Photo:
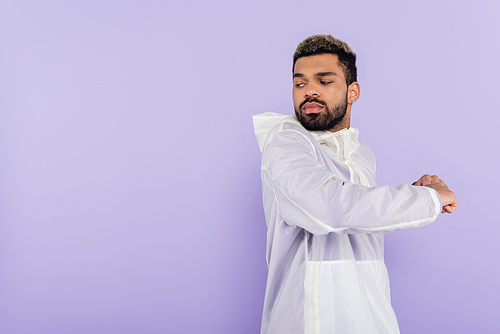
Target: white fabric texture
[{"x": 326, "y": 218}]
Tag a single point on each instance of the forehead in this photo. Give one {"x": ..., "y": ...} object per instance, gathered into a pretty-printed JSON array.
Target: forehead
[{"x": 318, "y": 63}]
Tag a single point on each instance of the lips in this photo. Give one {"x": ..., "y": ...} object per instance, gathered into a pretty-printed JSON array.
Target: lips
[{"x": 312, "y": 108}]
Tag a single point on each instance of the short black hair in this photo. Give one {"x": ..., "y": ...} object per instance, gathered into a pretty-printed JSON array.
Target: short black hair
[{"x": 321, "y": 44}]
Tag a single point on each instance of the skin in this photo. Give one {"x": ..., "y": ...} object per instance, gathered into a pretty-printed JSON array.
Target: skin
[
  {"x": 321, "y": 77},
  {"x": 448, "y": 198}
]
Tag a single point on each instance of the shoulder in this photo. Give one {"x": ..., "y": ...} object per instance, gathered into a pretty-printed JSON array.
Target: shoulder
[{"x": 365, "y": 157}]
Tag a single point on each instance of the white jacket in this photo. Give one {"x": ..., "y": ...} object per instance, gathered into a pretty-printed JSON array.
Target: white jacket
[{"x": 326, "y": 218}]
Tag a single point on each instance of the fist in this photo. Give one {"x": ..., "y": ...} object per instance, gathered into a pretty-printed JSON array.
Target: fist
[
  {"x": 448, "y": 198},
  {"x": 429, "y": 179}
]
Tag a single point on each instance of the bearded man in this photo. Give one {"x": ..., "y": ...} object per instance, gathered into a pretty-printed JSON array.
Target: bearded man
[{"x": 326, "y": 216}]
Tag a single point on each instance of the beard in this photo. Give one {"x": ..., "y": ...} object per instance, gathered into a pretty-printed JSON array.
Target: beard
[{"x": 326, "y": 119}]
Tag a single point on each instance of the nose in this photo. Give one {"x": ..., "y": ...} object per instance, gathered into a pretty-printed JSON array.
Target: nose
[{"x": 311, "y": 90}]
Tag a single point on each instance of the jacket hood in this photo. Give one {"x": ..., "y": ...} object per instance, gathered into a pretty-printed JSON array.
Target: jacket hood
[
  {"x": 263, "y": 123},
  {"x": 343, "y": 141}
]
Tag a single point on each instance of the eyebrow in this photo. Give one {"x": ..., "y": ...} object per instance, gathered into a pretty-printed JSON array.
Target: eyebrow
[
  {"x": 319, "y": 74},
  {"x": 324, "y": 74}
]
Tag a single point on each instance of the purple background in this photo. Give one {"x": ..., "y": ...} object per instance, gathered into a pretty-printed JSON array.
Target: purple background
[{"x": 129, "y": 175}]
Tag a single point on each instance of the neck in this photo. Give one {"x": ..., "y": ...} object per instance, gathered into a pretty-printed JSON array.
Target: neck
[{"x": 345, "y": 123}]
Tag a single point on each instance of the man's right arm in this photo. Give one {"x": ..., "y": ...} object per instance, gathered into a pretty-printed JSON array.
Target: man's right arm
[{"x": 316, "y": 199}]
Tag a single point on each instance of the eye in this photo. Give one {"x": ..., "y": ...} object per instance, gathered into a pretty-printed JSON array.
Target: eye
[
  {"x": 298, "y": 85},
  {"x": 323, "y": 82}
]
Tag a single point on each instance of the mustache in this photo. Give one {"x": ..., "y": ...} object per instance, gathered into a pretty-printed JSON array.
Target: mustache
[{"x": 312, "y": 99}]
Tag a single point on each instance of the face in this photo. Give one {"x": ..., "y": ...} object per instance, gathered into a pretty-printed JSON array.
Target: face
[{"x": 320, "y": 93}]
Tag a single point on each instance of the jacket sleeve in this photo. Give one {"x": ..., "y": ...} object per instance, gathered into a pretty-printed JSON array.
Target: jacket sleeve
[{"x": 319, "y": 201}]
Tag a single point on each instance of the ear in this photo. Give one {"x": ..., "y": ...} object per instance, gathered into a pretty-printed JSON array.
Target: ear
[{"x": 353, "y": 92}]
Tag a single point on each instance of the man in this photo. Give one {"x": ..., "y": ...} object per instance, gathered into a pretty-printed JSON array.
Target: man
[{"x": 325, "y": 215}]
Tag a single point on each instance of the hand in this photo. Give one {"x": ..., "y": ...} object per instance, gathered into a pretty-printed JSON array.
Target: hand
[
  {"x": 448, "y": 198},
  {"x": 429, "y": 179}
]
